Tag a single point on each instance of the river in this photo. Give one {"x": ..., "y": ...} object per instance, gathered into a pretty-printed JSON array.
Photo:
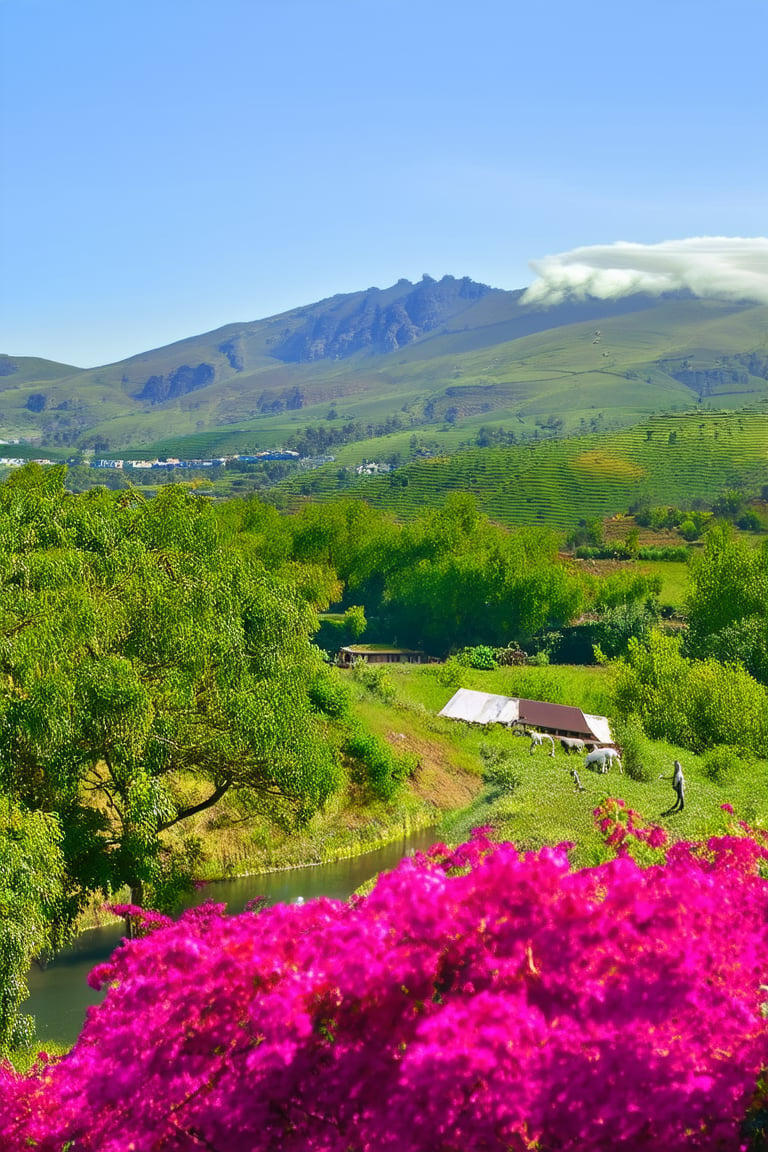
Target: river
[{"x": 60, "y": 996}]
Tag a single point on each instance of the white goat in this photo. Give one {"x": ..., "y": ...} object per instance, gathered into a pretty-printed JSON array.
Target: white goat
[
  {"x": 601, "y": 759},
  {"x": 537, "y": 740}
]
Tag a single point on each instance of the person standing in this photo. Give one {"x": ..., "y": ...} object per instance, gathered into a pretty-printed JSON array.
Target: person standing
[{"x": 678, "y": 783}]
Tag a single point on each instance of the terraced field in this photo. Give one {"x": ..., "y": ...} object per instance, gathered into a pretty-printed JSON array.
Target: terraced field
[{"x": 673, "y": 458}]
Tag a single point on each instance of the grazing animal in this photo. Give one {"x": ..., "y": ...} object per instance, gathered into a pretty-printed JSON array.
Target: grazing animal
[
  {"x": 601, "y": 759},
  {"x": 537, "y": 740},
  {"x": 571, "y": 744},
  {"x": 579, "y": 786}
]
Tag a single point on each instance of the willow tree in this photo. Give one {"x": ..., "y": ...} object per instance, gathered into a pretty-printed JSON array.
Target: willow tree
[{"x": 146, "y": 671}]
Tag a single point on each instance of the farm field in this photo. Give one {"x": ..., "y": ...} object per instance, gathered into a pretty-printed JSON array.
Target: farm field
[{"x": 669, "y": 459}]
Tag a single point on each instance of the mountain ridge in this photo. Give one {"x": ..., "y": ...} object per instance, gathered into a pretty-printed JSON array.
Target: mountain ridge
[{"x": 411, "y": 353}]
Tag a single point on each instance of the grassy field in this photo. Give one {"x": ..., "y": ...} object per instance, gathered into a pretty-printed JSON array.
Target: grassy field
[
  {"x": 544, "y": 808},
  {"x": 674, "y": 581}
]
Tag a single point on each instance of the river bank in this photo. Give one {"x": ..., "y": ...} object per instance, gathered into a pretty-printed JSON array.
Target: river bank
[{"x": 60, "y": 995}]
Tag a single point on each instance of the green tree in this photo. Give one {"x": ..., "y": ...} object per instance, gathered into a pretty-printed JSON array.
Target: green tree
[
  {"x": 728, "y": 602},
  {"x": 148, "y": 670},
  {"x": 695, "y": 703},
  {"x": 31, "y": 873}
]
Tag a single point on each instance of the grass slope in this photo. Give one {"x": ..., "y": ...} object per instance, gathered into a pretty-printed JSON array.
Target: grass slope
[
  {"x": 544, "y": 807},
  {"x": 673, "y": 459},
  {"x": 493, "y": 358}
]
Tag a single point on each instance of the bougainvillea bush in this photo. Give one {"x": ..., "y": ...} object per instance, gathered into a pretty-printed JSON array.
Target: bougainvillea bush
[{"x": 477, "y": 999}]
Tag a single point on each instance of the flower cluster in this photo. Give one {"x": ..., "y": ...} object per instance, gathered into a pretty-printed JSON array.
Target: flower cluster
[
  {"x": 619, "y": 824},
  {"x": 476, "y": 999}
]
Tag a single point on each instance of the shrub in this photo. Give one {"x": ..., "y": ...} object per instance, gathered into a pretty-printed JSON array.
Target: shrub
[
  {"x": 636, "y": 749},
  {"x": 384, "y": 771},
  {"x": 499, "y": 776},
  {"x": 482, "y": 657},
  {"x": 329, "y": 694},
  {"x": 475, "y": 1000},
  {"x": 450, "y": 674},
  {"x": 721, "y": 763},
  {"x": 374, "y": 679}
]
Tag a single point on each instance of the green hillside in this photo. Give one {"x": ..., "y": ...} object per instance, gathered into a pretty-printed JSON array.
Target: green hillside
[
  {"x": 438, "y": 359},
  {"x": 674, "y": 458}
]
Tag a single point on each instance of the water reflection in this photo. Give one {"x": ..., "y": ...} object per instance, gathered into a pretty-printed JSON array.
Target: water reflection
[{"x": 60, "y": 996}]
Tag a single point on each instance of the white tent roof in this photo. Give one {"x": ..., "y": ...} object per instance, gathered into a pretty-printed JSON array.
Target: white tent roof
[
  {"x": 481, "y": 708},
  {"x": 599, "y": 725},
  {"x": 485, "y": 708}
]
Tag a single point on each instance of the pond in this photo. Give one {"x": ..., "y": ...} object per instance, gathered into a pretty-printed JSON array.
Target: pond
[{"x": 60, "y": 996}]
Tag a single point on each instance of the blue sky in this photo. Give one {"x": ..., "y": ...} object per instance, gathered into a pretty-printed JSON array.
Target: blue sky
[{"x": 174, "y": 165}]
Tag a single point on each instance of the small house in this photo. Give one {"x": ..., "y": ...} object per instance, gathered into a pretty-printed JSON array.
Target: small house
[
  {"x": 379, "y": 654},
  {"x": 554, "y": 719}
]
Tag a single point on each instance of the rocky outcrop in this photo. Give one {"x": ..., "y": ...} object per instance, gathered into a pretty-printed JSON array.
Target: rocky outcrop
[
  {"x": 233, "y": 350},
  {"x": 378, "y": 320},
  {"x": 158, "y": 389}
]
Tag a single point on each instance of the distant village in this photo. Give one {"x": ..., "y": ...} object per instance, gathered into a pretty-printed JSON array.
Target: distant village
[
  {"x": 367, "y": 468},
  {"x": 174, "y": 461}
]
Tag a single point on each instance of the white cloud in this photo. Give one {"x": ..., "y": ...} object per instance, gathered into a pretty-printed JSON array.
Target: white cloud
[{"x": 729, "y": 268}]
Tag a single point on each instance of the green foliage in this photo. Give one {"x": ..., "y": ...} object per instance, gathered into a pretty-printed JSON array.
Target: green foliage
[
  {"x": 141, "y": 652},
  {"x": 480, "y": 656},
  {"x": 383, "y": 770},
  {"x": 728, "y": 602},
  {"x": 625, "y": 587},
  {"x": 31, "y": 873},
  {"x": 636, "y": 749},
  {"x": 448, "y": 580},
  {"x": 500, "y": 777},
  {"x": 450, "y": 673},
  {"x": 693, "y": 703},
  {"x": 587, "y": 533},
  {"x": 375, "y": 679},
  {"x": 355, "y": 622},
  {"x": 722, "y": 763},
  {"x": 329, "y": 694},
  {"x": 618, "y": 625}
]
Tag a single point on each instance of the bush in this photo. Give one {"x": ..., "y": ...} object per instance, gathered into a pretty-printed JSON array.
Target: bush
[
  {"x": 329, "y": 694},
  {"x": 384, "y": 771},
  {"x": 482, "y": 657},
  {"x": 636, "y": 749},
  {"x": 673, "y": 553},
  {"x": 499, "y": 776},
  {"x": 511, "y": 656},
  {"x": 374, "y": 679},
  {"x": 475, "y": 999},
  {"x": 721, "y": 763},
  {"x": 450, "y": 674}
]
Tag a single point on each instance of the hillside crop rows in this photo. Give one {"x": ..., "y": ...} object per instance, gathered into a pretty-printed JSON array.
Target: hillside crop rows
[{"x": 673, "y": 458}]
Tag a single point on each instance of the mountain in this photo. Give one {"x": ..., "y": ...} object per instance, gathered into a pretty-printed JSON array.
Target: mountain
[{"x": 439, "y": 353}]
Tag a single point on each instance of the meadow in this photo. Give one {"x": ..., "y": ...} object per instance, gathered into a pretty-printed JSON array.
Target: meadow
[{"x": 543, "y": 807}]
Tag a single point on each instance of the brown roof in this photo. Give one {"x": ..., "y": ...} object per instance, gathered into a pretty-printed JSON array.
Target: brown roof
[{"x": 561, "y": 716}]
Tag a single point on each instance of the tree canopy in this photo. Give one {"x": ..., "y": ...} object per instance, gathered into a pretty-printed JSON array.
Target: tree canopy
[{"x": 147, "y": 669}]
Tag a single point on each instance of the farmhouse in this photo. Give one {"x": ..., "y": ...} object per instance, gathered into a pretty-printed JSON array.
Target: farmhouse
[
  {"x": 379, "y": 654},
  {"x": 555, "y": 719}
]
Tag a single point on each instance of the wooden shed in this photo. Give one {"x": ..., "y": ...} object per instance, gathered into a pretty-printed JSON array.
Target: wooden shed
[{"x": 379, "y": 654}]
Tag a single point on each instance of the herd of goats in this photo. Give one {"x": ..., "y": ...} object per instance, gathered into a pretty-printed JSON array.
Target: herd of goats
[{"x": 599, "y": 758}]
